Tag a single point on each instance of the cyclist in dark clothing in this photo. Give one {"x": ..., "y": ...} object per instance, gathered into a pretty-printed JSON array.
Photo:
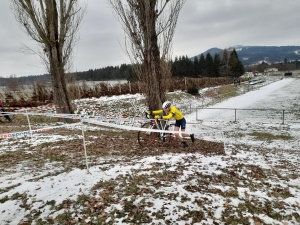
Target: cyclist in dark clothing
[{"x": 2, "y": 112}]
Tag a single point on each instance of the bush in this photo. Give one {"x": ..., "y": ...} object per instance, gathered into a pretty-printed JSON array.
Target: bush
[{"x": 193, "y": 89}]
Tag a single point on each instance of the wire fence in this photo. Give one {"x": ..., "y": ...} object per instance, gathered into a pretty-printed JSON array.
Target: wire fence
[
  {"x": 282, "y": 116},
  {"x": 242, "y": 88}
]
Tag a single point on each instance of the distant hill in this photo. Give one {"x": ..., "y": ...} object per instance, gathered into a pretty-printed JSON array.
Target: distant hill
[{"x": 250, "y": 55}]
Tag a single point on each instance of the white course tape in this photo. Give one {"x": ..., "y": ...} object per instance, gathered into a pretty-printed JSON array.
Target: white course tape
[
  {"x": 23, "y": 133},
  {"x": 140, "y": 128},
  {"x": 103, "y": 122},
  {"x": 99, "y": 118},
  {"x": 74, "y": 116}
]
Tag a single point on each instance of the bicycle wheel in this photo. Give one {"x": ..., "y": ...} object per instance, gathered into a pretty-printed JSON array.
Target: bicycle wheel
[
  {"x": 170, "y": 138},
  {"x": 146, "y": 138}
]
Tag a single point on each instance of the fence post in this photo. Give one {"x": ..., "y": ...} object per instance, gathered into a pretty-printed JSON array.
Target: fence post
[
  {"x": 84, "y": 147},
  {"x": 29, "y": 124},
  {"x": 282, "y": 116},
  {"x": 235, "y": 115}
]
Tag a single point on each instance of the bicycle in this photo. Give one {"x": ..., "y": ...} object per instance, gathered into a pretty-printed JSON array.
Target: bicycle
[
  {"x": 146, "y": 138},
  {"x": 6, "y": 115}
]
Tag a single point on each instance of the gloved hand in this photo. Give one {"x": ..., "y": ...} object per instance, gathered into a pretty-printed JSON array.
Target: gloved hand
[
  {"x": 149, "y": 112},
  {"x": 158, "y": 117}
]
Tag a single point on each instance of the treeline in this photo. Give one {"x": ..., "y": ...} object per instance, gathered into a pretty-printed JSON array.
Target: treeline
[
  {"x": 226, "y": 64},
  {"x": 25, "y": 80},
  {"x": 123, "y": 72}
]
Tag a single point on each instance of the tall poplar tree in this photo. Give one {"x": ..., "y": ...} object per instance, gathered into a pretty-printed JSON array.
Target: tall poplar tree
[
  {"x": 149, "y": 27},
  {"x": 54, "y": 25}
]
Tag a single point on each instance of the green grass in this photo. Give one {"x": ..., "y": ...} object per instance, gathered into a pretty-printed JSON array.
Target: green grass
[
  {"x": 232, "y": 193},
  {"x": 6, "y": 155},
  {"x": 45, "y": 144},
  {"x": 4, "y": 199},
  {"x": 56, "y": 158},
  {"x": 172, "y": 97},
  {"x": 297, "y": 115},
  {"x": 228, "y": 91},
  {"x": 64, "y": 217},
  {"x": 268, "y": 136},
  {"x": 81, "y": 199}
]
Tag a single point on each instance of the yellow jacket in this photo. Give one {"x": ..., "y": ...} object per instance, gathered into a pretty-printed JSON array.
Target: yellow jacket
[{"x": 174, "y": 112}]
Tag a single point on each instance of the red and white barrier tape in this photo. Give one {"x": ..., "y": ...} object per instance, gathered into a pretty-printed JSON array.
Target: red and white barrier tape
[
  {"x": 23, "y": 133},
  {"x": 32, "y": 107},
  {"x": 98, "y": 121}
]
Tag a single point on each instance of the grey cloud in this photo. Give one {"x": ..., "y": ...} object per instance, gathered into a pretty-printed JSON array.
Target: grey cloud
[
  {"x": 213, "y": 23},
  {"x": 202, "y": 24}
]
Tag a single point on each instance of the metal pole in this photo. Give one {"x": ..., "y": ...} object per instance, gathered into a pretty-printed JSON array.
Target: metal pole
[
  {"x": 84, "y": 147},
  {"x": 224, "y": 141},
  {"x": 282, "y": 116},
  {"x": 234, "y": 115},
  {"x": 29, "y": 124}
]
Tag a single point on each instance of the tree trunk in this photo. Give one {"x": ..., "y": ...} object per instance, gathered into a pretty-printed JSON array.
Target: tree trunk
[
  {"x": 57, "y": 71},
  {"x": 156, "y": 90},
  {"x": 60, "y": 93},
  {"x": 149, "y": 25},
  {"x": 53, "y": 24}
]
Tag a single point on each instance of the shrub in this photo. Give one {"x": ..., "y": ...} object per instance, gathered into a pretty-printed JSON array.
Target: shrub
[{"x": 193, "y": 89}]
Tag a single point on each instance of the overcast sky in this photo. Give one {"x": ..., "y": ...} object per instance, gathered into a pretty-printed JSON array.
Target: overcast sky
[{"x": 202, "y": 24}]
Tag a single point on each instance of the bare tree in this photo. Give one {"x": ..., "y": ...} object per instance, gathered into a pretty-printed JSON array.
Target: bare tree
[
  {"x": 12, "y": 83},
  {"x": 54, "y": 25},
  {"x": 149, "y": 26}
]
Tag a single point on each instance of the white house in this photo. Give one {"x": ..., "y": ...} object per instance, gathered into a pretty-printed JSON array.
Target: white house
[{"x": 268, "y": 70}]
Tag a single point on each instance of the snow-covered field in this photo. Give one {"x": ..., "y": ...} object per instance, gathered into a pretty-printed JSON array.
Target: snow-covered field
[
  {"x": 256, "y": 182},
  {"x": 276, "y": 97}
]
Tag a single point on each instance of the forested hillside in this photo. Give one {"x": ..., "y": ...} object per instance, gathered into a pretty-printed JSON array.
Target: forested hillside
[
  {"x": 225, "y": 65},
  {"x": 251, "y": 55}
]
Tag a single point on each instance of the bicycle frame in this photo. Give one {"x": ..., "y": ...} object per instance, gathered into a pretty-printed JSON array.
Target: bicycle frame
[
  {"x": 162, "y": 124},
  {"x": 146, "y": 138}
]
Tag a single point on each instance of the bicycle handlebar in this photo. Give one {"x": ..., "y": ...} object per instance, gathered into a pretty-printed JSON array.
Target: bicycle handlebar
[{"x": 148, "y": 116}]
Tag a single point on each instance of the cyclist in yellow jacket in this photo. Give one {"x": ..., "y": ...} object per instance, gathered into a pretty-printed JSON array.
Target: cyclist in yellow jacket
[{"x": 172, "y": 111}]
